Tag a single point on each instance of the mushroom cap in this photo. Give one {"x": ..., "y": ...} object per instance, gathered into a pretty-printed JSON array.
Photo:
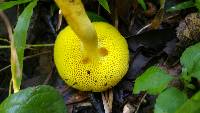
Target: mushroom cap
[{"x": 98, "y": 74}]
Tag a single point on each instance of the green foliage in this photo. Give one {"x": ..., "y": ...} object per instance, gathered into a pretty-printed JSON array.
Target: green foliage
[
  {"x": 20, "y": 34},
  {"x": 191, "y": 106},
  {"x": 104, "y": 4},
  {"x": 190, "y": 61},
  {"x": 142, "y": 3},
  {"x": 94, "y": 17},
  {"x": 154, "y": 80},
  {"x": 6, "y": 5},
  {"x": 169, "y": 101},
  {"x": 40, "y": 99},
  {"x": 185, "y": 5},
  {"x": 20, "y": 31},
  {"x": 197, "y": 4}
]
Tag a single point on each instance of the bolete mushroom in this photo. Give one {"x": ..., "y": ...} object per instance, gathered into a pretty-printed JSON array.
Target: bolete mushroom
[{"x": 91, "y": 73}]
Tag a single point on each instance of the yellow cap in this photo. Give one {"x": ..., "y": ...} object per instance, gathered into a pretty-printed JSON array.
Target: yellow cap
[{"x": 86, "y": 74}]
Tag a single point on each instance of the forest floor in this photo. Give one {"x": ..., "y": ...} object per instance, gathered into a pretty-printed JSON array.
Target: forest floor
[{"x": 152, "y": 38}]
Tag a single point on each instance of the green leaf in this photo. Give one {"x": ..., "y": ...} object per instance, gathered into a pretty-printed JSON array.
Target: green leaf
[
  {"x": 20, "y": 34},
  {"x": 154, "y": 80},
  {"x": 142, "y": 3},
  {"x": 94, "y": 17},
  {"x": 104, "y": 4},
  {"x": 195, "y": 71},
  {"x": 192, "y": 105},
  {"x": 181, "y": 6},
  {"x": 169, "y": 101},
  {"x": 40, "y": 99},
  {"x": 6, "y": 5},
  {"x": 190, "y": 61},
  {"x": 197, "y": 4}
]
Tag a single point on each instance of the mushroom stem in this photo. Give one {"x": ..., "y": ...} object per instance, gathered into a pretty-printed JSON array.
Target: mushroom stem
[{"x": 75, "y": 15}]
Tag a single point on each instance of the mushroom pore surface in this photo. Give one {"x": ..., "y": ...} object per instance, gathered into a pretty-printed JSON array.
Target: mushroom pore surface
[{"x": 87, "y": 74}]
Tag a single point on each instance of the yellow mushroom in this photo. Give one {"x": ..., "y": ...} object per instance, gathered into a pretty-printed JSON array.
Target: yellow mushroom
[
  {"x": 92, "y": 75},
  {"x": 76, "y": 66}
]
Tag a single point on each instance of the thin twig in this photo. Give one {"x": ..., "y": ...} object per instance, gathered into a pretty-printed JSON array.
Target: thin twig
[
  {"x": 5, "y": 68},
  {"x": 128, "y": 108},
  {"x": 31, "y": 56},
  {"x": 145, "y": 27},
  {"x": 50, "y": 74},
  {"x": 142, "y": 99},
  {"x": 110, "y": 100},
  {"x": 7, "y": 24},
  {"x": 99, "y": 9},
  {"x": 5, "y": 40},
  {"x": 116, "y": 18},
  {"x": 16, "y": 70},
  {"x": 30, "y": 46},
  {"x": 107, "y": 98},
  {"x": 105, "y": 105},
  {"x": 39, "y": 45},
  {"x": 48, "y": 78},
  {"x": 3, "y": 89},
  {"x": 59, "y": 20},
  {"x": 25, "y": 58},
  {"x": 4, "y": 47}
]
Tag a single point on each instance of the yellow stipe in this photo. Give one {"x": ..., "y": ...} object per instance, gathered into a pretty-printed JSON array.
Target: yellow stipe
[{"x": 78, "y": 20}]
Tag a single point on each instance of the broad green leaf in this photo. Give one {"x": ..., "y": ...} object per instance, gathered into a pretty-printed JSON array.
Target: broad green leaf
[
  {"x": 104, "y": 4},
  {"x": 6, "y": 5},
  {"x": 20, "y": 34},
  {"x": 190, "y": 61},
  {"x": 192, "y": 105},
  {"x": 180, "y": 6},
  {"x": 142, "y": 3},
  {"x": 154, "y": 80},
  {"x": 40, "y": 99},
  {"x": 196, "y": 70},
  {"x": 169, "y": 101},
  {"x": 94, "y": 17}
]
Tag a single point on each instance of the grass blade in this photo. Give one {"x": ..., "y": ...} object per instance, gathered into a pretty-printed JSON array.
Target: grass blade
[
  {"x": 180, "y": 6},
  {"x": 142, "y": 3},
  {"x": 6, "y": 5},
  {"x": 19, "y": 43},
  {"x": 104, "y": 3}
]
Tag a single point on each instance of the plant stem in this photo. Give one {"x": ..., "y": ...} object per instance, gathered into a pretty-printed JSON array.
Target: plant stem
[
  {"x": 39, "y": 45},
  {"x": 30, "y": 45},
  {"x": 5, "y": 40},
  {"x": 3, "y": 47},
  {"x": 15, "y": 68}
]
